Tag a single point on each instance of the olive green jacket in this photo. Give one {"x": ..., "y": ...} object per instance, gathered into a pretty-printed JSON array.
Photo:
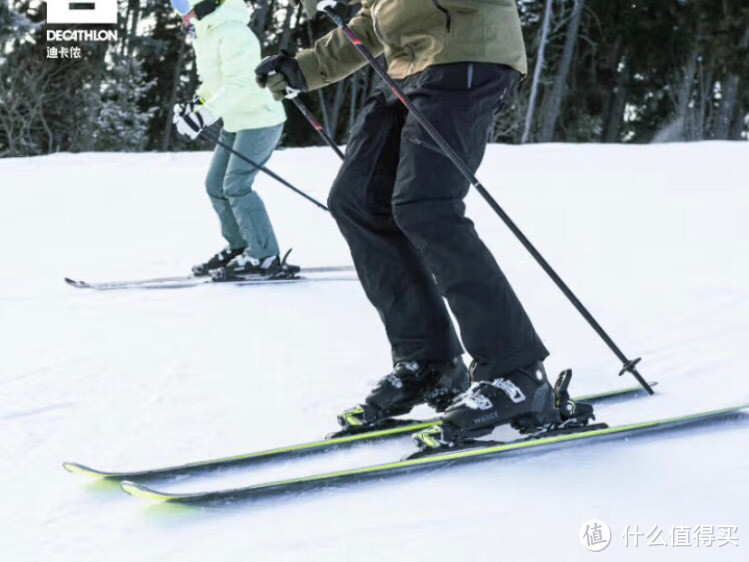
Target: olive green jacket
[{"x": 415, "y": 34}]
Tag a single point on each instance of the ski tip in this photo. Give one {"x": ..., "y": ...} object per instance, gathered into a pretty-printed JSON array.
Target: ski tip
[
  {"x": 140, "y": 491},
  {"x": 77, "y": 468}
]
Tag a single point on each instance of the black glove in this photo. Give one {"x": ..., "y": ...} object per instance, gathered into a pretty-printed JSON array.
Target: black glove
[{"x": 279, "y": 72}]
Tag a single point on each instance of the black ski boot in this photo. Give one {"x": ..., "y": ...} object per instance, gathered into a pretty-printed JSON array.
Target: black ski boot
[
  {"x": 216, "y": 261},
  {"x": 523, "y": 398},
  {"x": 520, "y": 399},
  {"x": 409, "y": 384},
  {"x": 243, "y": 265}
]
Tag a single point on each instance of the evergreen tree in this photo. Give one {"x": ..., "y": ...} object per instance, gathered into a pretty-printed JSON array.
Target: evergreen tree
[{"x": 613, "y": 71}]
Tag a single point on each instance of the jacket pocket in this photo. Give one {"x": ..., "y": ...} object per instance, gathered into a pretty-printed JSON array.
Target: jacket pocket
[{"x": 467, "y": 38}]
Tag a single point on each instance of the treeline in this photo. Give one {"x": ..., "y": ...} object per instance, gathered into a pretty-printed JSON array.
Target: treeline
[{"x": 600, "y": 71}]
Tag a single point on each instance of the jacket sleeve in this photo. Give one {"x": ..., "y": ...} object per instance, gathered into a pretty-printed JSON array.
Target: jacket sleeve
[
  {"x": 333, "y": 57},
  {"x": 238, "y": 54}
]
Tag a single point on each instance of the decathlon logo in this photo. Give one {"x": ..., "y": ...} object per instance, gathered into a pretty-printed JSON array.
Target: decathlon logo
[
  {"x": 82, "y": 11},
  {"x": 78, "y": 12}
]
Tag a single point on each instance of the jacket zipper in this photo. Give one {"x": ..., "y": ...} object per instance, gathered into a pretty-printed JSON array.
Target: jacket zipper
[{"x": 448, "y": 17}]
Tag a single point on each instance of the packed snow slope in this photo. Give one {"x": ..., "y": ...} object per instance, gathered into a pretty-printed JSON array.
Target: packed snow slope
[{"x": 654, "y": 239}]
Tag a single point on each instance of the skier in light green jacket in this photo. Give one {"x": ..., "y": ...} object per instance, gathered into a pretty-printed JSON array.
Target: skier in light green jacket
[{"x": 226, "y": 51}]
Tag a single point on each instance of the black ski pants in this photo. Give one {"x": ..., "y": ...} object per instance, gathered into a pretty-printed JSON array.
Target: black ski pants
[{"x": 399, "y": 203}]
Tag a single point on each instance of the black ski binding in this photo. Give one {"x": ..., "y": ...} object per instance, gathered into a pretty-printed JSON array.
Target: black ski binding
[
  {"x": 282, "y": 272},
  {"x": 570, "y": 414},
  {"x": 570, "y": 417}
]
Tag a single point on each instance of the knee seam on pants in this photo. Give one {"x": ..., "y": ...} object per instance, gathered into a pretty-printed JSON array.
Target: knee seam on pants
[
  {"x": 419, "y": 211},
  {"x": 237, "y": 185}
]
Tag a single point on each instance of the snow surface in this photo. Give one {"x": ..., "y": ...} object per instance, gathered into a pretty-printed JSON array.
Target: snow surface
[{"x": 653, "y": 238}]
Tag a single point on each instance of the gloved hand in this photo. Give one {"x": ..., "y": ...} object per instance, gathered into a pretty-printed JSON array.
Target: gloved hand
[
  {"x": 279, "y": 72},
  {"x": 186, "y": 106},
  {"x": 191, "y": 117}
]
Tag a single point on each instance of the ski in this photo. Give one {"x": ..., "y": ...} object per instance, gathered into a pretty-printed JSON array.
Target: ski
[
  {"x": 179, "y": 281},
  {"x": 480, "y": 450},
  {"x": 391, "y": 428}
]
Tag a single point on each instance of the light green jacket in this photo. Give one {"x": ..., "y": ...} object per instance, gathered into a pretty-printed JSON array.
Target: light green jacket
[{"x": 227, "y": 52}]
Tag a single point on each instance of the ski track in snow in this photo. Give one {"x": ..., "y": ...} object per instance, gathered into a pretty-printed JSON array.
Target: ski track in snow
[{"x": 653, "y": 239}]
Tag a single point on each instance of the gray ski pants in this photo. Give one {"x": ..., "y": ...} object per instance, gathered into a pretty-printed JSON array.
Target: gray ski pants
[{"x": 244, "y": 220}]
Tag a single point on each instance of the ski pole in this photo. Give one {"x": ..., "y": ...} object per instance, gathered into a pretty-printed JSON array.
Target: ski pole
[
  {"x": 628, "y": 366},
  {"x": 293, "y": 95},
  {"x": 211, "y": 136}
]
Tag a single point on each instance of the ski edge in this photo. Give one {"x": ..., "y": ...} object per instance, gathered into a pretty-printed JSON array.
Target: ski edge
[
  {"x": 77, "y": 468},
  {"x": 141, "y": 491}
]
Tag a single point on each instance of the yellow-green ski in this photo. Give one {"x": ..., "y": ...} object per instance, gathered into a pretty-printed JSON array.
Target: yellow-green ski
[
  {"x": 396, "y": 428},
  {"x": 399, "y": 467}
]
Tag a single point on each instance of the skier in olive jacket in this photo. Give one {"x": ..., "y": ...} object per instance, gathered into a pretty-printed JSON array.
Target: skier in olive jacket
[
  {"x": 225, "y": 52},
  {"x": 399, "y": 203}
]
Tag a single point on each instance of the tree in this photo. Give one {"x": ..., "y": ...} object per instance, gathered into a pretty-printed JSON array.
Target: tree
[
  {"x": 558, "y": 90},
  {"x": 545, "y": 28},
  {"x": 603, "y": 71}
]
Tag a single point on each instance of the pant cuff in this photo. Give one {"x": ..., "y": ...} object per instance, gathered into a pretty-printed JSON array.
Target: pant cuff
[{"x": 492, "y": 368}]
